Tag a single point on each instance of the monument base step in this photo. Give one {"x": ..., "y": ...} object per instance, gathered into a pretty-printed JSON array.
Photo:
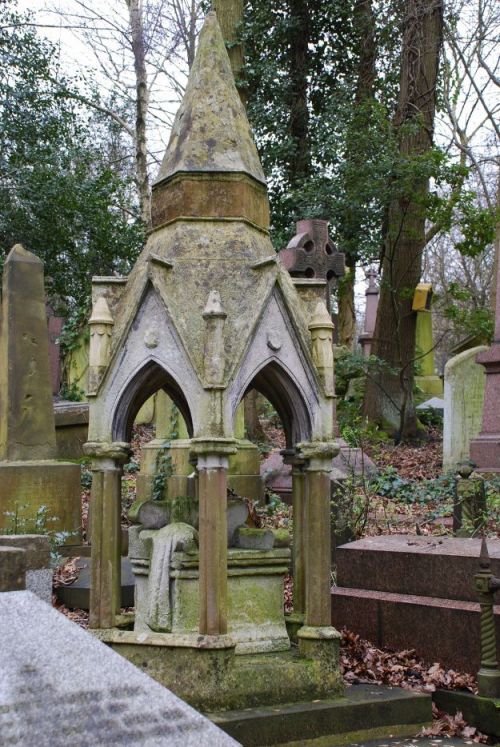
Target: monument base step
[
  {"x": 483, "y": 713},
  {"x": 206, "y": 672},
  {"x": 365, "y": 712}
]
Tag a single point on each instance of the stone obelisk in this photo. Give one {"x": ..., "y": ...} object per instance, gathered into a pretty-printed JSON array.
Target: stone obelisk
[{"x": 30, "y": 476}]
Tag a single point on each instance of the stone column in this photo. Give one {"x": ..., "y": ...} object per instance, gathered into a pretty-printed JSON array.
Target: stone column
[
  {"x": 105, "y": 587},
  {"x": 317, "y": 633},
  {"x": 372, "y": 294},
  {"x": 212, "y": 464},
  {"x": 299, "y": 533}
]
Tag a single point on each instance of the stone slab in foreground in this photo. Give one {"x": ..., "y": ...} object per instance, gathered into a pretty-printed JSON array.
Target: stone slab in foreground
[{"x": 59, "y": 686}]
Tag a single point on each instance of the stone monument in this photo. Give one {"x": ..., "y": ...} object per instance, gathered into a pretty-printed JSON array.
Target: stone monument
[
  {"x": 428, "y": 381},
  {"x": 30, "y": 476},
  {"x": 485, "y": 448},
  {"x": 463, "y": 405},
  {"x": 313, "y": 261},
  {"x": 62, "y": 687},
  {"x": 372, "y": 295},
  {"x": 207, "y": 314}
]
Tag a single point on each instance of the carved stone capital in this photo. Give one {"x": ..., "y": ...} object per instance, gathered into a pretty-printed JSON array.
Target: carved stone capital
[{"x": 118, "y": 451}]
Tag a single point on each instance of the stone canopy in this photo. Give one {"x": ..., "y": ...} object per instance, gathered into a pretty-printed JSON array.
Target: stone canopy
[
  {"x": 207, "y": 314},
  {"x": 210, "y": 232}
]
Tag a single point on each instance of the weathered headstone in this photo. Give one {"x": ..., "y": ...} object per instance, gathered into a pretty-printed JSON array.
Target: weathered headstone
[
  {"x": 463, "y": 405},
  {"x": 372, "y": 294},
  {"x": 428, "y": 381},
  {"x": 30, "y": 476},
  {"x": 60, "y": 686},
  {"x": 36, "y": 550}
]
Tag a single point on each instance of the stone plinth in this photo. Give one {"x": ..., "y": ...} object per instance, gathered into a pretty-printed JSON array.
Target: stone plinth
[
  {"x": 28, "y": 486},
  {"x": 256, "y": 621},
  {"x": 72, "y": 425},
  {"x": 36, "y": 550},
  {"x": 97, "y": 697},
  {"x": 485, "y": 448},
  {"x": 394, "y": 590},
  {"x": 12, "y": 569},
  {"x": 30, "y": 478}
]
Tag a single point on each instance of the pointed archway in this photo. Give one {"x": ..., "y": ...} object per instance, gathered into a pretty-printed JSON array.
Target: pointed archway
[
  {"x": 275, "y": 384},
  {"x": 147, "y": 381}
]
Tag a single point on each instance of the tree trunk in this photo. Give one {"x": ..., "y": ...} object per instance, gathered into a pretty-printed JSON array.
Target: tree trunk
[
  {"x": 389, "y": 396},
  {"x": 142, "y": 101},
  {"x": 347, "y": 314},
  {"x": 299, "y": 164},
  {"x": 230, "y": 16},
  {"x": 365, "y": 24}
]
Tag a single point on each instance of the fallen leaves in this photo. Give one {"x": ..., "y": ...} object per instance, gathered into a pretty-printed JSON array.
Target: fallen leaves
[
  {"x": 445, "y": 725},
  {"x": 361, "y": 662}
]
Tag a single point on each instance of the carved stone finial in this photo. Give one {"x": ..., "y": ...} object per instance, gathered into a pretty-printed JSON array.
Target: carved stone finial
[
  {"x": 484, "y": 557},
  {"x": 101, "y": 324},
  {"x": 101, "y": 313},
  {"x": 213, "y": 306},
  {"x": 321, "y": 328},
  {"x": 371, "y": 276},
  {"x": 215, "y": 359}
]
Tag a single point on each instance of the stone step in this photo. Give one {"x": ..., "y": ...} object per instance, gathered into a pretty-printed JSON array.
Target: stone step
[
  {"x": 366, "y": 712},
  {"x": 440, "y": 630}
]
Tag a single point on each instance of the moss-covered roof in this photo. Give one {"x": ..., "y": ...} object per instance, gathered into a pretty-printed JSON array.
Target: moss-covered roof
[{"x": 211, "y": 132}]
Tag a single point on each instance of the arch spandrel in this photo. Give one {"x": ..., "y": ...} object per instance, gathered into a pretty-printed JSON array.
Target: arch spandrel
[
  {"x": 152, "y": 357},
  {"x": 275, "y": 364}
]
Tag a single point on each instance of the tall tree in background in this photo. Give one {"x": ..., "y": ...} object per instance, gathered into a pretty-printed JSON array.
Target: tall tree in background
[
  {"x": 364, "y": 101},
  {"x": 389, "y": 395},
  {"x": 230, "y": 16},
  {"x": 60, "y": 193}
]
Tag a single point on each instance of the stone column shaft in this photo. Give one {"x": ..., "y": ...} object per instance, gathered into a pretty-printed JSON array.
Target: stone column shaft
[
  {"x": 318, "y": 546},
  {"x": 105, "y": 587},
  {"x": 212, "y": 486},
  {"x": 299, "y": 533}
]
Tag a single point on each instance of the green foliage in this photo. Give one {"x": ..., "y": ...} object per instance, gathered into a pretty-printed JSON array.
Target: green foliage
[
  {"x": 390, "y": 485},
  {"x": 40, "y": 523},
  {"x": 59, "y": 193},
  {"x": 72, "y": 392},
  {"x": 164, "y": 470},
  {"x": 466, "y": 316},
  {"x": 350, "y": 148}
]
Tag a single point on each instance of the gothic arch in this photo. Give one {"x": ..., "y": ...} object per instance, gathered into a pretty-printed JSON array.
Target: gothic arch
[
  {"x": 151, "y": 377},
  {"x": 275, "y": 383}
]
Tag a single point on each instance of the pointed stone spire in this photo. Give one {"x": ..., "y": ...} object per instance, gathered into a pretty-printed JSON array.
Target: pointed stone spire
[
  {"x": 27, "y": 429},
  {"x": 211, "y": 130},
  {"x": 211, "y": 167}
]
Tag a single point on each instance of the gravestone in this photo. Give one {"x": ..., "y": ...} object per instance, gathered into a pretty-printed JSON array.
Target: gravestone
[
  {"x": 30, "y": 476},
  {"x": 485, "y": 448},
  {"x": 36, "y": 550},
  {"x": 313, "y": 261},
  {"x": 60, "y": 686},
  {"x": 393, "y": 590},
  {"x": 427, "y": 380},
  {"x": 372, "y": 295},
  {"x": 463, "y": 405}
]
